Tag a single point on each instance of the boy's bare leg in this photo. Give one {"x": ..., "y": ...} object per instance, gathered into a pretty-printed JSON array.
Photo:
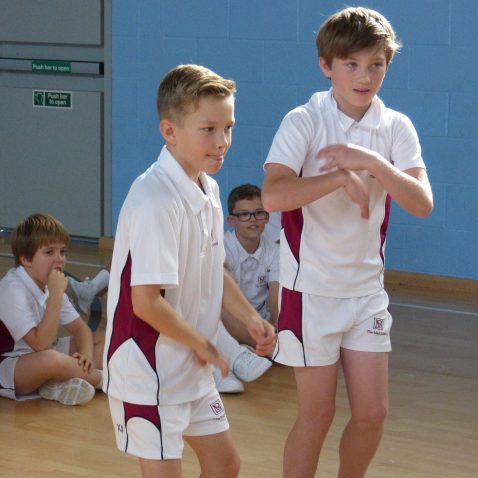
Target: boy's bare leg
[
  {"x": 316, "y": 390},
  {"x": 98, "y": 347},
  {"x": 160, "y": 468},
  {"x": 217, "y": 455},
  {"x": 366, "y": 377},
  {"x": 34, "y": 369}
]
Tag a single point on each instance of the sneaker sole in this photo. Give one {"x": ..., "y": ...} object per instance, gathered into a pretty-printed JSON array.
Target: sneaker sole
[{"x": 75, "y": 391}]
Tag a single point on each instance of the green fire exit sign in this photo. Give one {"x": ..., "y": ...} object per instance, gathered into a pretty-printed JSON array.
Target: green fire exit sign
[
  {"x": 52, "y": 99},
  {"x": 51, "y": 66}
]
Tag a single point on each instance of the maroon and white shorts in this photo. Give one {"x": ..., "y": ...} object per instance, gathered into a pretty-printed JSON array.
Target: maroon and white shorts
[
  {"x": 156, "y": 432},
  {"x": 312, "y": 329}
]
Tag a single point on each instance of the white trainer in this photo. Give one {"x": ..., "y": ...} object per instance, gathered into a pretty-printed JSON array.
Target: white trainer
[
  {"x": 74, "y": 391},
  {"x": 85, "y": 291},
  {"x": 229, "y": 384},
  {"x": 249, "y": 366}
]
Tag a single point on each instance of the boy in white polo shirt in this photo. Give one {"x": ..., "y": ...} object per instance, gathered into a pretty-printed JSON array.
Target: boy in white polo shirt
[
  {"x": 332, "y": 169},
  {"x": 33, "y": 304},
  {"x": 167, "y": 287},
  {"x": 253, "y": 261}
]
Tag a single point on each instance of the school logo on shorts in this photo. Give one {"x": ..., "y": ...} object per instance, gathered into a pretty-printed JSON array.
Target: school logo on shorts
[
  {"x": 378, "y": 326},
  {"x": 217, "y": 407}
]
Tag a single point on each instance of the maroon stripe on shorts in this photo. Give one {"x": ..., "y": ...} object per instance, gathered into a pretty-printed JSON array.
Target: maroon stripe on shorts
[{"x": 290, "y": 317}]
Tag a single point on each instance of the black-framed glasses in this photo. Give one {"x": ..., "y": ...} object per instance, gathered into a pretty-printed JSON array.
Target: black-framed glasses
[{"x": 244, "y": 216}]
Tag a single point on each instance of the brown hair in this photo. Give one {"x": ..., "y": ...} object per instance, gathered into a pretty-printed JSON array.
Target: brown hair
[
  {"x": 183, "y": 86},
  {"x": 245, "y": 191},
  {"x": 353, "y": 29},
  {"x": 36, "y": 231}
]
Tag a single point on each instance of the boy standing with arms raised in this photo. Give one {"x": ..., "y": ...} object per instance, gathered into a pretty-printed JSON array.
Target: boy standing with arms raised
[
  {"x": 333, "y": 167},
  {"x": 168, "y": 285}
]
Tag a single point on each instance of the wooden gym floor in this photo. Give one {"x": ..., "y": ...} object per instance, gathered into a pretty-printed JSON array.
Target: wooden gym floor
[{"x": 432, "y": 429}]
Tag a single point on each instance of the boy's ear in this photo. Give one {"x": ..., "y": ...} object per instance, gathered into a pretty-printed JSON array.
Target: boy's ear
[
  {"x": 168, "y": 131},
  {"x": 325, "y": 67},
  {"x": 230, "y": 220},
  {"x": 24, "y": 261}
]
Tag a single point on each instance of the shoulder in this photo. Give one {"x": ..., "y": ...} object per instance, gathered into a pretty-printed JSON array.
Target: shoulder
[
  {"x": 11, "y": 284},
  {"x": 396, "y": 119}
]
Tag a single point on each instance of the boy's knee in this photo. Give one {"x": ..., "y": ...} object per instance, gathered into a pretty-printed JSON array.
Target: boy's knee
[
  {"x": 373, "y": 419},
  {"x": 228, "y": 468},
  {"x": 52, "y": 361}
]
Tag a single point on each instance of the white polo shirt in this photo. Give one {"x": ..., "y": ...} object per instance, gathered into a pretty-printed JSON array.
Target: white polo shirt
[
  {"x": 253, "y": 272},
  {"x": 326, "y": 248},
  {"x": 169, "y": 233},
  {"x": 22, "y": 307}
]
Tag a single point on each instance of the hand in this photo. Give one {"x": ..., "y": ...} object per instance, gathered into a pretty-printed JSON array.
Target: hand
[
  {"x": 209, "y": 354},
  {"x": 358, "y": 192},
  {"x": 347, "y": 156},
  {"x": 57, "y": 282},
  {"x": 263, "y": 334},
  {"x": 84, "y": 362}
]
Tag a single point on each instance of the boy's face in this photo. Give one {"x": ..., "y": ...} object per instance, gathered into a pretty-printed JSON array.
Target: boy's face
[
  {"x": 253, "y": 227},
  {"x": 204, "y": 137},
  {"x": 45, "y": 259},
  {"x": 356, "y": 79}
]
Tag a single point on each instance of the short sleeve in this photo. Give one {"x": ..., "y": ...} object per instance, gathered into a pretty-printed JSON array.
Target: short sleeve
[
  {"x": 291, "y": 142},
  {"x": 406, "y": 149},
  {"x": 20, "y": 315},
  {"x": 154, "y": 243}
]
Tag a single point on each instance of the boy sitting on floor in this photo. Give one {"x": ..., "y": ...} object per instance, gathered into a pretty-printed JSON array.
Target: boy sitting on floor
[{"x": 33, "y": 304}]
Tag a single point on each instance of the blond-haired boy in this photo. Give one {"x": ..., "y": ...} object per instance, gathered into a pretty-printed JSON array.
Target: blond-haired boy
[{"x": 168, "y": 285}]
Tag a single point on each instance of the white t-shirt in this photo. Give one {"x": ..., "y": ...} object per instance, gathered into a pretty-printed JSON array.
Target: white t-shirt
[
  {"x": 253, "y": 272},
  {"x": 169, "y": 233},
  {"x": 326, "y": 248},
  {"x": 22, "y": 307}
]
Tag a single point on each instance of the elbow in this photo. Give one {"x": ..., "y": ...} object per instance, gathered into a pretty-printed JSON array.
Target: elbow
[
  {"x": 41, "y": 347},
  {"x": 269, "y": 203},
  {"x": 425, "y": 210}
]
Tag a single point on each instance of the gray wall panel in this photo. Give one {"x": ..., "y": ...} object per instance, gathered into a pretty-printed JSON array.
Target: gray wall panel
[
  {"x": 54, "y": 158},
  {"x": 65, "y": 22}
]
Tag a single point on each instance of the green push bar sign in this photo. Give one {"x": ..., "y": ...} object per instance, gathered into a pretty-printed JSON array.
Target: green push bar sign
[
  {"x": 51, "y": 66},
  {"x": 52, "y": 99}
]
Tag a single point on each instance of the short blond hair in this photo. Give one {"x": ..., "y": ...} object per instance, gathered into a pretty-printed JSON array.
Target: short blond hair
[
  {"x": 36, "y": 231},
  {"x": 182, "y": 87},
  {"x": 353, "y": 29}
]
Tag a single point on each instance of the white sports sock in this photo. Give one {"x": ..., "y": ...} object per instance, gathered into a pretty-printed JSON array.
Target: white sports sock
[
  {"x": 100, "y": 281},
  {"x": 99, "y": 385}
]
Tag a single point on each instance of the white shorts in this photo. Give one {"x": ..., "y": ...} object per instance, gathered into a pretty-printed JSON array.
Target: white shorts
[
  {"x": 312, "y": 329},
  {"x": 156, "y": 432},
  {"x": 7, "y": 371}
]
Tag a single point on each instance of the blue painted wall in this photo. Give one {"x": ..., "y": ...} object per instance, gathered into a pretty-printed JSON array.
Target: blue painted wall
[{"x": 267, "y": 47}]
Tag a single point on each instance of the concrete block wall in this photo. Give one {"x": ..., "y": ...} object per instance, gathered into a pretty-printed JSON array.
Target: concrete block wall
[{"x": 267, "y": 47}]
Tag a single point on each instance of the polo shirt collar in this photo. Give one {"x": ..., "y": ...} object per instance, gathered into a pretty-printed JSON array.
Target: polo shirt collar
[
  {"x": 371, "y": 119},
  {"x": 243, "y": 254},
  {"x": 191, "y": 192},
  {"x": 39, "y": 295}
]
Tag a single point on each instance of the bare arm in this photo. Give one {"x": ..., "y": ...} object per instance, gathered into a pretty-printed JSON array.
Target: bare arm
[
  {"x": 236, "y": 304},
  {"x": 42, "y": 336},
  {"x": 83, "y": 341},
  {"x": 150, "y": 306},
  {"x": 274, "y": 301},
  {"x": 410, "y": 189},
  {"x": 283, "y": 190}
]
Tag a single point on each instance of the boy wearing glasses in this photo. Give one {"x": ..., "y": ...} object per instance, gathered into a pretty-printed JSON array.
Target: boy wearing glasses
[{"x": 253, "y": 261}]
